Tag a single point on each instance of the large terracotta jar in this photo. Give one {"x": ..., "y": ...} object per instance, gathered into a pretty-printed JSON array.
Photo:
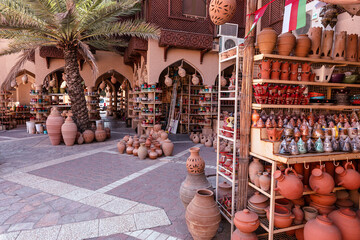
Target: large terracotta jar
[
  {"x": 352, "y": 47},
  {"x": 266, "y": 40},
  {"x": 321, "y": 182},
  {"x": 100, "y": 133},
  {"x": 348, "y": 178},
  {"x": 254, "y": 167},
  {"x": 88, "y": 136},
  {"x": 326, "y": 47},
  {"x": 321, "y": 228},
  {"x": 347, "y": 222},
  {"x": 303, "y": 45},
  {"x": 195, "y": 163},
  {"x": 222, "y": 11},
  {"x": 286, "y": 43},
  {"x": 69, "y": 131},
  {"x": 121, "y": 147},
  {"x": 167, "y": 147},
  {"x": 246, "y": 221},
  {"x": 339, "y": 46},
  {"x": 289, "y": 185},
  {"x": 142, "y": 151},
  {"x": 237, "y": 235},
  {"x": 53, "y": 126},
  {"x": 203, "y": 215},
  {"x": 315, "y": 35}
]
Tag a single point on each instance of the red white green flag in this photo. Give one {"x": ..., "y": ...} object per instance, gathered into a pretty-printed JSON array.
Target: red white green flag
[
  {"x": 258, "y": 14},
  {"x": 294, "y": 15}
]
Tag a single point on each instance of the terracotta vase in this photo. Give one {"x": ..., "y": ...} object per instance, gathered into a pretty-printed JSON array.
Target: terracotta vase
[
  {"x": 80, "y": 139},
  {"x": 299, "y": 215},
  {"x": 264, "y": 181},
  {"x": 315, "y": 35},
  {"x": 136, "y": 149},
  {"x": 254, "y": 167},
  {"x": 195, "y": 163},
  {"x": 153, "y": 154},
  {"x": 286, "y": 43},
  {"x": 158, "y": 150},
  {"x": 352, "y": 47},
  {"x": 289, "y": 185},
  {"x": 283, "y": 218},
  {"x": 203, "y": 139},
  {"x": 129, "y": 149},
  {"x": 321, "y": 182},
  {"x": 255, "y": 117},
  {"x": 100, "y": 134},
  {"x": 246, "y": 221},
  {"x": 121, "y": 147},
  {"x": 53, "y": 126},
  {"x": 196, "y": 139},
  {"x": 224, "y": 189},
  {"x": 266, "y": 40},
  {"x": 89, "y": 136},
  {"x": 69, "y": 131},
  {"x": 303, "y": 45},
  {"x": 237, "y": 235},
  {"x": 347, "y": 222},
  {"x": 221, "y": 12},
  {"x": 348, "y": 178},
  {"x": 326, "y": 48},
  {"x": 321, "y": 228},
  {"x": 142, "y": 151},
  {"x": 339, "y": 46},
  {"x": 164, "y": 136},
  {"x": 203, "y": 215},
  {"x": 168, "y": 147}
]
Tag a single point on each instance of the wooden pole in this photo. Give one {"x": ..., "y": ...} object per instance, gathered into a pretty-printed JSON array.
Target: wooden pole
[{"x": 245, "y": 107}]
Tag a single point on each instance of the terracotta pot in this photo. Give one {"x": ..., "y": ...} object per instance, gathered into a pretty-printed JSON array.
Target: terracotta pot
[
  {"x": 264, "y": 74},
  {"x": 321, "y": 228},
  {"x": 203, "y": 215},
  {"x": 164, "y": 136},
  {"x": 208, "y": 142},
  {"x": 237, "y": 235},
  {"x": 286, "y": 43},
  {"x": 324, "y": 199},
  {"x": 266, "y": 40},
  {"x": 326, "y": 48},
  {"x": 168, "y": 147},
  {"x": 303, "y": 45},
  {"x": 276, "y": 65},
  {"x": 203, "y": 139},
  {"x": 100, "y": 134},
  {"x": 289, "y": 185},
  {"x": 265, "y": 181},
  {"x": 158, "y": 150},
  {"x": 352, "y": 47},
  {"x": 136, "y": 148},
  {"x": 254, "y": 167},
  {"x": 265, "y": 64},
  {"x": 348, "y": 178},
  {"x": 80, "y": 139},
  {"x": 153, "y": 154},
  {"x": 274, "y": 134},
  {"x": 246, "y": 221},
  {"x": 195, "y": 163},
  {"x": 284, "y": 75},
  {"x": 347, "y": 222},
  {"x": 142, "y": 151},
  {"x": 53, "y": 126},
  {"x": 283, "y": 202},
  {"x": 224, "y": 189},
  {"x": 108, "y": 132},
  {"x": 88, "y": 136},
  {"x": 339, "y": 46},
  {"x": 259, "y": 200},
  {"x": 196, "y": 139},
  {"x": 69, "y": 131},
  {"x": 321, "y": 182},
  {"x": 283, "y": 218},
  {"x": 315, "y": 35},
  {"x": 310, "y": 213},
  {"x": 221, "y": 12},
  {"x": 121, "y": 147},
  {"x": 299, "y": 215},
  {"x": 299, "y": 234},
  {"x": 300, "y": 201},
  {"x": 255, "y": 117},
  {"x": 129, "y": 149}
]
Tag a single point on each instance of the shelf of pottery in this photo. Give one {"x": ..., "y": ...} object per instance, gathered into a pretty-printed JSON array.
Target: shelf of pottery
[
  {"x": 20, "y": 113},
  {"x": 305, "y": 138},
  {"x": 151, "y": 111},
  {"x": 92, "y": 103},
  {"x": 39, "y": 103},
  {"x": 6, "y": 120},
  {"x": 134, "y": 107}
]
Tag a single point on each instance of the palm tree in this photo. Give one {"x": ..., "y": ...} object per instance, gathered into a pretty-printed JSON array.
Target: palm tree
[{"x": 72, "y": 26}]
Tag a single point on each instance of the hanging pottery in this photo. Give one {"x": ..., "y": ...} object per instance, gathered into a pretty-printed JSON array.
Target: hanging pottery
[
  {"x": 323, "y": 74},
  {"x": 222, "y": 11},
  {"x": 113, "y": 79},
  {"x": 168, "y": 81},
  {"x": 181, "y": 71},
  {"x": 223, "y": 81},
  {"x": 52, "y": 83},
  {"x": 24, "y": 79},
  {"x": 102, "y": 85},
  {"x": 195, "y": 80}
]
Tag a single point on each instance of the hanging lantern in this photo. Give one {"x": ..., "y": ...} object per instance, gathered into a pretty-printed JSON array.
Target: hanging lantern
[
  {"x": 13, "y": 83},
  {"x": 223, "y": 81},
  {"x": 181, "y": 71},
  {"x": 113, "y": 79},
  {"x": 168, "y": 81},
  {"x": 222, "y": 11},
  {"x": 25, "y": 79},
  {"x": 195, "y": 80},
  {"x": 102, "y": 85}
]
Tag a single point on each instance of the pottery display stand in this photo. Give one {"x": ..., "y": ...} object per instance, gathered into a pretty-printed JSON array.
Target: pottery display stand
[
  {"x": 40, "y": 105},
  {"x": 92, "y": 103},
  {"x": 5, "y": 116},
  {"x": 134, "y": 107},
  {"x": 151, "y": 94}
]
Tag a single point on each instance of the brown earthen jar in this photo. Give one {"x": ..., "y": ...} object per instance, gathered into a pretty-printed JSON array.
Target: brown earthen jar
[
  {"x": 129, "y": 149},
  {"x": 266, "y": 40},
  {"x": 289, "y": 185},
  {"x": 286, "y": 43},
  {"x": 321, "y": 182},
  {"x": 88, "y": 136},
  {"x": 53, "y": 126},
  {"x": 69, "y": 131},
  {"x": 142, "y": 151},
  {"x": 299, "y": 215},
  {"x": 246, "y": 221},
  {"x": 321, "y": 228},
  {"x": 167, "y": 147},
  {"x": 283, "y": 218},
  {"x": 153, "y": 154},
  {"x": 121, "y": 147},
  {"x": 100, "y": 134},
  {"x": 348, "y": 178},
  {"x": 347, "y": 222},
  {"x": 303, "y": 45},
  {"x": 195, "y": 163}
]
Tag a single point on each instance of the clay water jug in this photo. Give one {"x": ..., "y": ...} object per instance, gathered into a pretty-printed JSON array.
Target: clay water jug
[
  {"x": 100, "y": 134},
  {"x": 348, "y": 178},
  {"x": 299, "y": 214},
  {"x": 129, "y": 149},
  {"x": 136, "y": 149},
  {"x": 221, "y": 12},
  {"x": 321, "y": 182},
  {"x": 339, "y": 47},
  {"x": 347, "y": 222},
  {"x": 321, "y": 228},
  {"x": 254, "y": 167},
  {"x": 203, "y": 215},
  {"x": 53, "y": 126},
  {"x": 196, "y": 139},
  {"x": 167, "y": 147},
  {"x": 289, "y": 185},
  {"x": 352, "y": 47},
  {"x": 286, "y": 43},
  {"x": 88, "y": 136},
  {"x": 203, "y": 139},
  {"x": 121, "y": 147},
  {"x": 315, "y": 34},
  {"x": 303, "y": 45},
  {"x": 246, "y": 221},
  {"x": 69, "y": 131},
  {"x": 266, "y": 40},
  {"x": 80, "y": 140},
  {"x": 264, "y": 181},
  {"x": 326, "y": 47},
  {"x": 142, "y": 151},
  {"x": 153, "y": 154},
  {"x": 208, "y": 142}
]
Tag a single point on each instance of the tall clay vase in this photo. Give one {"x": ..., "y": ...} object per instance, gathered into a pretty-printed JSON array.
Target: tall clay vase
[
  {"x": 266, "y": 40},
  {"x": 195, "y": 163},
  {"x": 69, "y": 131},
  {"x": 303, "y": 45},
  {"x": 100, "y": 133},
  {"x": 326, "y": 48},
  {"x": 142, "y": 151},
  {"x": 286, "y": 43},
  {"x": 315, "y": 35},
  {"x": 321, "y": 228},
  {"x": 339, "y": 46},
  {"x": 254, "y": 167},
  {"x": 264, "y": 181},
  {"x": 196, "y": 139},
  {"x": 203, "y": 215},
  {"x": 352, "y": 47},
  {"x": 167, "y": 147},
  {"x": 88, "y": 136},
  {"x": 121, "y": 147},
  {"x": 53, "y": 126}
]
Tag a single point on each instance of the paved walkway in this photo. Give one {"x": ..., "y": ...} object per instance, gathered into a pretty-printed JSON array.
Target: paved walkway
[{"x": 91, "y": 191}]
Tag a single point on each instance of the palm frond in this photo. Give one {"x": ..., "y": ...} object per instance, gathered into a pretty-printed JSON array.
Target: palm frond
[
  {"x": 25, "y": 44},
  {"x": 45, "y": 10},
  {"x": 89, "y": 57},
  {"x": 18, "y": 35},
  {"x": 107, "y": 44}
]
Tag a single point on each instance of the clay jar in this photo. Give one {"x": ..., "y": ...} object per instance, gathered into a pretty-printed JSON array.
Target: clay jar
[
  {"x": 348, "y": 178},
  {"x": 195, "y": 163},
  {"x": 266, "y": 40},
  {"x": 142, "y": 151},
  {"x": 339, "y": 47},
  {"x": 303, "y": 45},
  {"x": 88, "y": 136},
  {"x": 167, "y": 147},
  {"x": 265, "y": 181},
  {"x": 283, "y": 218},
  {"x": 53, "y": 126},
  {"x": 352, "y": 47},
  {"x": 129, "y": 149},
  {"x": 69, "y": 131},
  {"x": 321, "y": 228},
  {"x": 100, "y": 134},
  {"x": 315, "y": 35},
  {"x": 327, "y": 44},
  {"x": 255, "y": 117},
  {"x": 121, "y": 147},
  {"x": 196, "y": 139},
  {"x": 221, "y": 12},
  {"x": 289, "y": 185},
  {"x": 224, "y": 189},
  {"x": 321, "y": 182},
  {"x": 254, "y": 167},
  {"x": 347, "y": 222},
  {"x": 299, "y": 214},
  {"x": 246, "y": 221},
  {"x": 286, "y": 43},
  {"x": 237, "y": 235},
  {"x": 153, "y": 154},
  {"x": 203, "y": 215}
]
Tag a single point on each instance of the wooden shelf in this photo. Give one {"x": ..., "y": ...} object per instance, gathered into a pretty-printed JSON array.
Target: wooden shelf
[
  {"x": 260, "y": 57},
  {"x": 325, "y": 107},
  {"x": 344, "y": 85}
]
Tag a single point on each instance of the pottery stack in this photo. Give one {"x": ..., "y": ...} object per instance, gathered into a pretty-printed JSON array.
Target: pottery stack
[{"x": 246, "y": 223}]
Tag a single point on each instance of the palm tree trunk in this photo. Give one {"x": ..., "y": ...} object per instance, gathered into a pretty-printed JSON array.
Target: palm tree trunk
[{"x": 75, "y": 89}]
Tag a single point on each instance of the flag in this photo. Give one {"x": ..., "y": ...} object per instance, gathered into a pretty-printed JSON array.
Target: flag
[
  {"x": 294, "y": 15},
  {"x": 258, "y": 14}
]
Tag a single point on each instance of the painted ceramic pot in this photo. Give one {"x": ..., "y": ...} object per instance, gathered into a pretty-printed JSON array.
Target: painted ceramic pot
[
  {"x": 348, "y": 178},
  {"x": 289, "y": 185},
  {"x": 69, "y": 131},
  {"x": 321, "y": 228},
  {"x": 303, "y": 45},
  {"x": 266, "y": 40},
  {"x": 347, "y": 222},
  {"x": 222, "y": 11},
  {"x": 100, "y": 134},
  {"x": 53, "y": 126},
  {"x": 89, "y": 136},
  {"x": 321, "y": 182},
  {"x": 246, "y": 221},
  {"x": 286, "y": 43},
  {"x": 167, "y": 147}
]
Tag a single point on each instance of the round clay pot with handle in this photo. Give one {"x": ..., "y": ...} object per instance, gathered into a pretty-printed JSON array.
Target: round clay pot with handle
[
  {"x": 321, "y": 182},
  {"x": 246, "y": 221},
  {"x": 321, "y": 228},
  {"x": 348, "y": 178},
  {"x": 289, "y": 185}
]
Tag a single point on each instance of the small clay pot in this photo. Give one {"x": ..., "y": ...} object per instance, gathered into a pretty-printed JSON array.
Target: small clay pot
[
  {"x": 121, "y": 147},
  {"x": 299, "y": 215},
  {"x": 283, "y": 218},
  {"x": 167, "y": 147},
  {"x": 310, "y": 213},
  {"x": 246, "y": 221},
  {"x": 88, "y": 136},
  {"x": 142, "y": 151},
  {"x": 153, "y": 154}
]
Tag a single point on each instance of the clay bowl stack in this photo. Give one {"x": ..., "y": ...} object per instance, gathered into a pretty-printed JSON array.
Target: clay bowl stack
[
  {"x": 258, "y": 203},
  {"x": 324, "y": 203},
  {"x": 343, "y": 200}
]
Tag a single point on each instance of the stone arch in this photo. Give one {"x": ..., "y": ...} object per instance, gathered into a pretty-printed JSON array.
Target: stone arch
[
  {"x": 106, "y": 75},
  {"x": 22, "y": 90}
]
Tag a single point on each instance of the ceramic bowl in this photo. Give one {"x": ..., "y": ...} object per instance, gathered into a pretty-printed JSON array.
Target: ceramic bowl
[
  {"x": 337, "y": 78},
  {"x": 351, "y": 79}
]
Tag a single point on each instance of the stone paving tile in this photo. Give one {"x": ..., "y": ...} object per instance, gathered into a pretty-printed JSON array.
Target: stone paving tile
[
  {"x": 119, "y": 236},
  {"x": 40, "y": 233},
  {"x": 117, "y": 224},
  {"x": 94, "y": 171},
  {"x": 78, "y": 231}
]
